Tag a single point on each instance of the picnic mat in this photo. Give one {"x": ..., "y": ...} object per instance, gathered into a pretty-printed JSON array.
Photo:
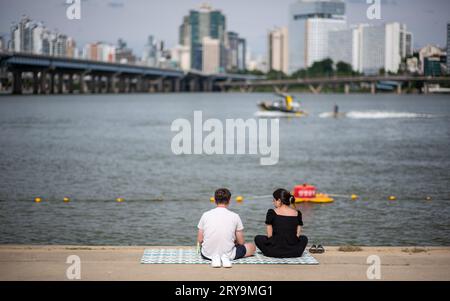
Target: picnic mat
[{"x": 190, "y": 256}]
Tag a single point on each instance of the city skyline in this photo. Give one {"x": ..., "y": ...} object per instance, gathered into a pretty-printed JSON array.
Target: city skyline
[{"x": 423, "y": 18}]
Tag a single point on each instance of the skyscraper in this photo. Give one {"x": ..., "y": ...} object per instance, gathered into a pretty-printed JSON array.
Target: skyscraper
[
  {"x": 309, "y": 24},
  {"x": 278, "y": 50},
  {"x": 211, "y": 55},
  {"x": 21, "y": 36},
  {"x": 242, "y": 53},
  {"x": 149, "y": 56},
  {"x": 205, "y": 22},
  {"x": 370, "y": 48},
  {"x": 448, "y": 48},
  {"x": 341, "y": 46},
  {"x": 235, "y": 48}
]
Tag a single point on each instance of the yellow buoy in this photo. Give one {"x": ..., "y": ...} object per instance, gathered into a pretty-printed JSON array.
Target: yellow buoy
[
  {"x": 212, "y": 200},
  {"x": 66, "y": 200},
  {"x": 37, "y": 200},
  {"x": 119, "y": 200},
  {"x": 392, "y": 198},
  {"x": 239, "y": 199},
  {"x": 354, "y": 197}
]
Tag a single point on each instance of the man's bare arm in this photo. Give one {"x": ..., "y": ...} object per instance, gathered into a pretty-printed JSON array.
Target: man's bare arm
[{"x": 200, "y": 236}]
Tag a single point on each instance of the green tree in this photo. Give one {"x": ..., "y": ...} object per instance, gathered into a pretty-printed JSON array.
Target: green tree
[
  {"x": 275, "y": 74},
  {"x": 321, "y": 68},
  {"x": 343, "y": 68}
]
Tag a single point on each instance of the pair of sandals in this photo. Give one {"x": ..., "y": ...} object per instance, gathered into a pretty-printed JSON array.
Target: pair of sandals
[{"x": 316, "y": 249}]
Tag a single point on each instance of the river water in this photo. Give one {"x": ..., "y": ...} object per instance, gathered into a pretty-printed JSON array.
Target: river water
[{"x": 96, "y": 148}]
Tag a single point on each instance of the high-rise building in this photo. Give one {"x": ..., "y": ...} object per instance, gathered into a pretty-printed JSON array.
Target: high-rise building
[
  {"x": 211, "y": 55},
  {"x": 149, "y": 56},
  {"x": 429, "y": 57},
  {"x": 409, "y": 44},
  {"x": 124, "y": 54},
  {"x": 100, "y": 51},
  {"x": 370, "y": 48},
  {"x": 22, "y": 36},
  {"x": 235, "y": 48},
  {"x": 278, "y": 50},
  {"x": 59, "y": 45},
  {"x": 242, "y": 54},
  {"x": 232, "y": 43},
  {"x": 205, "y": 22},
  {"x": 309, "y": 24},
  {"x": 343, "y": 46},
  {"x": 71, "y": 48},
  {"x": 38, "y": 38},
  {"x": 181, "y": 56},
  {"x": 448, "y": 48}
]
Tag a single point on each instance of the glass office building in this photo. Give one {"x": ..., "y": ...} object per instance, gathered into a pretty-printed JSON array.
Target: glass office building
[{"x": 309, "y": 24}]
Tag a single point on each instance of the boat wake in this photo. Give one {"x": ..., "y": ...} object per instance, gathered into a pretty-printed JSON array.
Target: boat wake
[{"x": 377, "y": 115}]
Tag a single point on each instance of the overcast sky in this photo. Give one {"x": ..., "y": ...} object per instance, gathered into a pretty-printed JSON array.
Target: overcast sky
[{"x": 134, "y": 20}]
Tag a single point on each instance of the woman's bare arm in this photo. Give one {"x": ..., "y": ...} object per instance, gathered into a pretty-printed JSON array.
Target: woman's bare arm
[
  {"x": 269, "y": 231},
  {"x": 299, "y": 231}
]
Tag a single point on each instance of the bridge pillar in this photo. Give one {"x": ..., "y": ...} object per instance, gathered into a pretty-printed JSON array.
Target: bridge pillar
[
  {"x": 167, "y": 85},
  {"x": 120, "y": 84},
  {"x": 99, "y": 84},
  {"x": 35, "y": 82},
  {"x": 128, "y": 83},
  {"x": 158, "y": 84},
  {"x": 70, "y": 83},
  {"x": 176, "y": 85},
  {"x": 109, "y": 84},
  {"x": 90, "y": 84},
  {"x": 82, "y": 83},
  {"x": 141, "y": 84},
  {"x": 43, "y": 82},
  {"x": 373, "y": 89},
  {"x": 52, "y": 83},
  {"x": 399, "y": 89},
  {"x": 347, "y": 88},
  {"x": 315, "y": 90},
  {"x": 208, "y": 87},
  {"x": 193, "y": 85},
  {"x": 17, "y": 82},
  {"x": 60, "y": 83},
  {"x": 146, "y": 85}
]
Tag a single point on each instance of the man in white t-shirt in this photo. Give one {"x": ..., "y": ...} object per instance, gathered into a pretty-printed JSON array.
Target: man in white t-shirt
[{"x": 220, "y": 233}]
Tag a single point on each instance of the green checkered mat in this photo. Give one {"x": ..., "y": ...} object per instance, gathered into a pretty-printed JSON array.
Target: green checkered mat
[{"x": 190, "y": 256}]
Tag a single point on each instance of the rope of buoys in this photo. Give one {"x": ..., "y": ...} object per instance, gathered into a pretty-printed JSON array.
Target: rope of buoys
[
  {"x": 240, "y": 198},
  {"x": 353, "y": 197}
]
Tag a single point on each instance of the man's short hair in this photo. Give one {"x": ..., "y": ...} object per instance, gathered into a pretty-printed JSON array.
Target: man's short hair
[{"x": 222, "y": 196}]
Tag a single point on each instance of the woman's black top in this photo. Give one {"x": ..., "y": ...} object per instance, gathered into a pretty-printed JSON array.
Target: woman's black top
[{"x": 284, "y": 241}]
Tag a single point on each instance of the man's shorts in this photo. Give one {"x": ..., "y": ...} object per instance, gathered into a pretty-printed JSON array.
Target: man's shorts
[{"x": 240, "y": 252}]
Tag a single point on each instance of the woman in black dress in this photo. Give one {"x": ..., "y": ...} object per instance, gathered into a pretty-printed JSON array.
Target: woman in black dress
[{"x": 284, "y": 224}]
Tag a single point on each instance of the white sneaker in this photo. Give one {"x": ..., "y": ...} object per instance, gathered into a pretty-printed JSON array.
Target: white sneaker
[
  {"x": 215, "y": 261},
  {"x": 226, "y": 262}
]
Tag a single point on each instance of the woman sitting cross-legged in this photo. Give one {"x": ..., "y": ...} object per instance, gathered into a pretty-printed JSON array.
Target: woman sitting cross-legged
[{"x": 284, "y": 224}]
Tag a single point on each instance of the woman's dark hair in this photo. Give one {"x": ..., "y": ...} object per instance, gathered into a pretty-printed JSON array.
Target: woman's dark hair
[
  {"x": 285, "y": 196},
  {"x": 222, "y": 196}
]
